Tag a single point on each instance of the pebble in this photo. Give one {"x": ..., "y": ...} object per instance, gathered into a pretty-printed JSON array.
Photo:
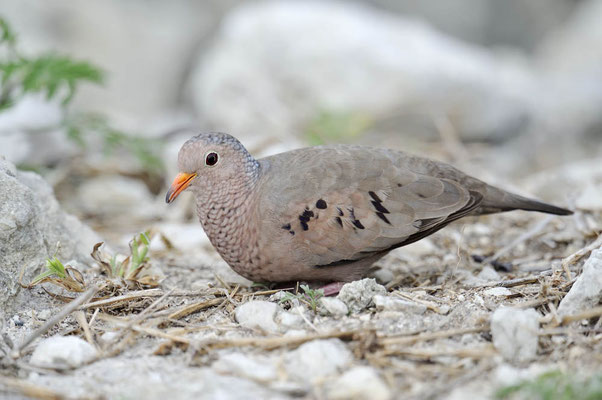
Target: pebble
[
  {"x": 332, "y": 306},
  {"x": 383, "y": 275},
  {"x": 358, "y": 295},
  {"x": 44, "y": 315},
  {"x": 258, "y": 314},
  {"x": 243, "y": 366},
  {"x": 388, "y": 303},
  {"x": 313, "y": 361},
  {"x": 586, "y": 292},
  {"x": 497, "y": 291},
  {"x": 359, "y": 383},
  {"x": 290, "y": 319},
  {"x": 489, "y": 274},
  {"x": 63, "y": 352},
  {"x": 514, "y": 333}
]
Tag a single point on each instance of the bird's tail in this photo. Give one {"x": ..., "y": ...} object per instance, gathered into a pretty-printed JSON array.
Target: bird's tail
[{"x": 497, "y": 200}]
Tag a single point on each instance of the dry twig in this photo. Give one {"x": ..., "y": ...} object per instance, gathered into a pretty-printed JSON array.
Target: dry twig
[{"x": 68, "y": 309}]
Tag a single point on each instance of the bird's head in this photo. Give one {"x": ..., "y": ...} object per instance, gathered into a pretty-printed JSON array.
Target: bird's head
[{"x": 209, "y": 161}]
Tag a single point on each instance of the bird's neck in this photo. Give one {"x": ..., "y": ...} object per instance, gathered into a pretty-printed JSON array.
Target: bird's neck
[{"x": 225, "y": 213}]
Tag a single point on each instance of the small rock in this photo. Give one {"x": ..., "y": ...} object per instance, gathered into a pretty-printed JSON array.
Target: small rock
[
  {"x": 317, "y": 359},
  {"x": 359, "y": 383},
  {"x": 383, "y": 275},
  {"x": 184, "y": 237},
  {"x": 290, "y": 319},
  {"x": 497, "y": 291},
  {"x": 44, "y": 315},
  {"x": 257, "y": 314},
  {"x": 116, "y": 195},
  {"x": 587, "y": 289},
  {"x": 388, "y": 303},
  {"x": 488, "y": 274},
  {"x": 358, "y": 294},
  {"x": 109, "y": 337},
  {"x": 243, "y": 366},
  {"x": 63, "y": 352},
  {"x": 278, "y": 296},
  {"x": 514, "y": 333},
  {"x": 332, "y": 306},
  {"x": 590, "y": 198}
]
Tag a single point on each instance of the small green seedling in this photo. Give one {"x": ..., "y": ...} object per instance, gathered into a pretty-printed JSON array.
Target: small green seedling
[
  {"x": 131, "y": 267},
  {"x": 309, "y": 296},
  {"x": 59, "y": 274},
  {"x": 554, "y": 385}
]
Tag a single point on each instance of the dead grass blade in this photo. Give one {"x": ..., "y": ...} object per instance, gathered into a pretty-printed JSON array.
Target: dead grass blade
[
  {"x": 28, "y": 389},
  {"x": 68, "y": 309}
]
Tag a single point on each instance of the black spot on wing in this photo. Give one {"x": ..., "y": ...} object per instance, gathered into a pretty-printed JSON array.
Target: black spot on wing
[
  {"x": 358, "y": 224},
  {"x": 287, "y": 227},
  {"x": 379, "y": 207},
  {"x": 340, "y": 211},
  {"x": 321, "y": 204},
  {"x": 304, "y": 218},
  {"x": 383, "y": 217},
  {"x": 339, "y": 221},
  {"x": 375, "y": 197}
]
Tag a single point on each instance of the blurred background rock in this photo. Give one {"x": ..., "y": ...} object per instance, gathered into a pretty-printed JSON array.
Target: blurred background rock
[{"x": 502, "y": 89}]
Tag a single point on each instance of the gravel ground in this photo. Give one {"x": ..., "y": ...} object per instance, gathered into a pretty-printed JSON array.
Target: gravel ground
[{"x": 465, "y": 312}]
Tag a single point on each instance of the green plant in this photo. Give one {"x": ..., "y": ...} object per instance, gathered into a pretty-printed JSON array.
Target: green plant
[
  {"x": 51, "y": 73},
  {"x": 330, "y": 126},
  {"x": 58, "y": 77},
  {"x": 555, "y": 385},
  {"x": 59, "y": 274},
  {"x": 132, "y": 266},
  {"x": 309, "y": 296},
  {"x": 133, "y": 269}
]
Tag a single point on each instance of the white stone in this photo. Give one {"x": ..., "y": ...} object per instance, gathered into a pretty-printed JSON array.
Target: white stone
[
  {"x": 359, "y": 383},
  {"x": 332, "y": 306},
  {"x": 184, "y": 237},
  {"x": 587, "y": 289},
  {"x": 488, "y": 274},
  {"x": 63, "y": 352},
  {"x": 258, "y": 314},
  {"x": 590, "y": 198},
  {"x": 290, "y": 319},
  {"x": 383, "y": 275},
  {"x": 31, "y": 224},
  {"x": 241, "y": 365},
  {"x": 388, "y": 303},
  {"x": 497, "y": 291},
  {"x": 44, "y": 315},
  {"x": 116, "y": 195},
  {"x": 358, "y": 294},
  {"x": 373, "y": 62},
  {"x": 315, "y": 360},
  {"x": 515, "y": 333}
]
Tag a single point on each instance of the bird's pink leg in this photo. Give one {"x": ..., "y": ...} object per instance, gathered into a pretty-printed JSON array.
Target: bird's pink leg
[{"x": 333, "y": 288}]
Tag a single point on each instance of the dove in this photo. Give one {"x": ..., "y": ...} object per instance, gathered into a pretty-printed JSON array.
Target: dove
[{"x": 325, "y": 213}]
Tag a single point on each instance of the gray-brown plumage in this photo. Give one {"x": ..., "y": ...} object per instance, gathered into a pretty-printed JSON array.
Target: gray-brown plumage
[{"x": 325, "y": 213}]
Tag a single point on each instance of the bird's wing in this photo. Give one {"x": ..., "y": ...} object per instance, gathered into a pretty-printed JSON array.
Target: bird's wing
[{"x": 336, "y": 204}]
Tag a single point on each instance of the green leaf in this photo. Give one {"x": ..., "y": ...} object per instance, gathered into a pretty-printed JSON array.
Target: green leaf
[
  {"x": 336, "y": 126},
  {"x": 51, "y": 72},
  {"x": 7, "y": 36}
]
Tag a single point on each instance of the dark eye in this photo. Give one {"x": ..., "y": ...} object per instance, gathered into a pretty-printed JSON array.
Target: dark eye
[{"x": 211, "y": 159}]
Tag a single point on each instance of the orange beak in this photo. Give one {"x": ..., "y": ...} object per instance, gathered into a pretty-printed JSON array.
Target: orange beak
[{"x": 181, "y": 182}]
